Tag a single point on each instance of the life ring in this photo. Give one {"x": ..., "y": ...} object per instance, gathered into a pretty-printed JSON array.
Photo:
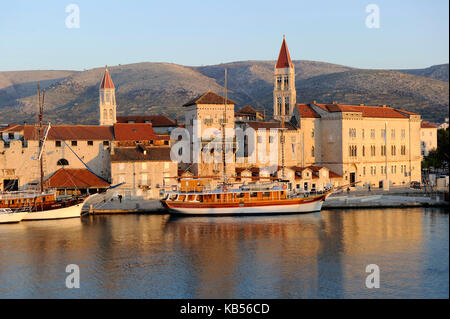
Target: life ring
[
  {"x": 225, "y": 189},
  {"x": 284, "y": 186}
]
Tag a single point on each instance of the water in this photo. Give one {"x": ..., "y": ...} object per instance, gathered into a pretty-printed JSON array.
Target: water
[{"x": 321, "y": 255}]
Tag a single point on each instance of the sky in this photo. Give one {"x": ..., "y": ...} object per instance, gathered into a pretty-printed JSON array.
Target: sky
[{"x": 34, "y": 34}]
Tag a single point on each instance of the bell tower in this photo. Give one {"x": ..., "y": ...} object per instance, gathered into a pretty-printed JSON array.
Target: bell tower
[
  {"x": 284, "y": 94},
  {"x": 107, "y": 100}
]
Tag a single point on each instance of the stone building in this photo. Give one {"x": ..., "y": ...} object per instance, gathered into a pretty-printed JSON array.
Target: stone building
[{"x": 428, "y": 137}]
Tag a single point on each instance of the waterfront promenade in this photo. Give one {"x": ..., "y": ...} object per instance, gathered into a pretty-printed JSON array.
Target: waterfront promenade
[{"x": 357, "y": 198}]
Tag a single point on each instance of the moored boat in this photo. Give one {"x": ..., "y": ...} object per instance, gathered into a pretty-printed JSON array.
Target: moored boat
[
  {"x": 272, "y": 198},
  {"x": 8, "y": 216}
]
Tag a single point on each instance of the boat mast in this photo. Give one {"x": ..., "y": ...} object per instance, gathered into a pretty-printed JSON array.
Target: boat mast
[
  {"x": 282, "y": 147},
  {"x": 40, "y": 112},
  {"x": 223, "y": 133}
]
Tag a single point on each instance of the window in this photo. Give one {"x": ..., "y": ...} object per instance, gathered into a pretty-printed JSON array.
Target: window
[
  {"x": 90, "y": 143},
  {"x": 393, "y": 133},
  {"x": 57, "y": 143},
  {"x": 403, "y": 150},
  {"x": 286, "y": 82},
  {"x": 259, "y": 139},
  {"x": 352, "y": 132},
  {"x": 352, "y": 151},
  {"x": 364, "y": 171},
  {"x": 403, "y": 133},
  {"x": 62, "y": 162},
  {"x": 278, "y": 82},
  {"x": 372, "y": 133},
  {"x": 105, "y": 143},
  {"x": 363, "y": 151},
  {"x": 312, "y": 151},
  {"x": 372, "y": 150},
  {"x": 286, "y": 103},
  {"x": 393, "y": 150},
  {"x": 270, "y": 139},
  {"x": 312, "y": 132},
  {"x": 383, "y": 150},
  {"x": 74, "y": 143},
  {"x": 383, "y": 133},
  {"x": 363, "y": 134}
]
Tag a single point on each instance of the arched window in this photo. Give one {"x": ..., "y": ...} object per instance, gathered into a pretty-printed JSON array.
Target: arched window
[
  {"x": 62, "y": 162},
  {"x": 110, "y": 114},
  {"x": 105, "y": 114}
]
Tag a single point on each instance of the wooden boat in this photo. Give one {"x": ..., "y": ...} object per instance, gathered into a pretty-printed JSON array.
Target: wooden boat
[
  {"x": 270, "y": 198},
  {"x": 40, "y": 204},
  {"x": 8, "y": 216}
]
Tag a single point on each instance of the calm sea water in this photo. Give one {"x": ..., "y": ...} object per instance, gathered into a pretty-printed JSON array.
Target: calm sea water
[{"x": 321, "y": 255}]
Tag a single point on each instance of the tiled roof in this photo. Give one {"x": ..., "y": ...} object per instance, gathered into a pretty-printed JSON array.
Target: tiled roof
[
  {"x": 156, "y": 120},
  {"x": 209, "y": 98},
  {"x": 247, "y": 110},
  {"x": 134, "y": 132},
  {"x": 128, "y": 154},
  {"x": 426, "y": 124},
  {"x": 256, "y": 125},
  {"x": 367, "y": 111},
  {"x": 12, "y": 128},
  {"x": 106, "y": 83},
  {"x": 284, "y": 58},
  {"x": 75, "y": 178},
  {"x": 307, "y": 112},
  {"x": 72, "y": 132}
]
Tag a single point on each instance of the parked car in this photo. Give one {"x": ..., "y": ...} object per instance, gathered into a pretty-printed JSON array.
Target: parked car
[{"x": 415, "y": 185}]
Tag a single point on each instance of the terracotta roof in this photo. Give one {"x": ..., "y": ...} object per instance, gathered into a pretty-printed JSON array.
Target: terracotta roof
[
  {"x": 72, "y": 132},
  {"x": 367, "y": 111},
  {"x": 75, "y": 178},
  {"x": 12, "y": 128},
  {"x": 106, "y": 83},
  {"x": 426, "y": 124},
  {"x": 209, "y": 98},
  {"x": 140, "y": 153},
  {"x": 155, "y": 120},
  {"x": 134, "y": 132},
  {"x": 247, "y": 110},
  {"x": 256, "y": 125},
  {"x": 307, "y": 112},
  {"x": 284, "y": 58}
]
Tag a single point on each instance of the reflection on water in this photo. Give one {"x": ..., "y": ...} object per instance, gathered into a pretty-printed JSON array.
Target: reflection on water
[{"x": 321, "y": 255}]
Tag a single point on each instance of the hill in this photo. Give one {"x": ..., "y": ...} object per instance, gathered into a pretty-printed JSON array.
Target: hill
[{"x": 161, "y": 88}]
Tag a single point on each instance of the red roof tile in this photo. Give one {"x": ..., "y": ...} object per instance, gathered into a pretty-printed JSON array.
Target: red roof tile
[
  {"x": 106, "y": 83},
  {"x": 134, "y": 132},
  {"x": 367, "y": 111},
  {"x": 75, "y": 178},
  {"x": 209, "y": 98},
  {"x": 72, "y": 132},
  {"x": 426, "y": 124},
  {"x": 307, "y": 112},
  {"x": 155, "y": 120},
  {"x": 284, "y": 58}
]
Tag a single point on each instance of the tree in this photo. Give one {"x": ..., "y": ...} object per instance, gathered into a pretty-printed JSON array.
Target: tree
[{"x": 438, "y": 158}]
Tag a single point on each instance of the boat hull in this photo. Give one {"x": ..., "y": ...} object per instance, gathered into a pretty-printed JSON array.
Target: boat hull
[
  {"x": 73, "y": 211},
  {"x": 294, "y": 207},
  {"x": 9, "y": 218}
]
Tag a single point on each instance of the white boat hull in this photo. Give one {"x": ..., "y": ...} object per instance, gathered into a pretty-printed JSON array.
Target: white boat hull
[
  {"x": 255, "y": 210},
  {"x": 60, "y": 213},
  {"x": 6, "y": 218}
]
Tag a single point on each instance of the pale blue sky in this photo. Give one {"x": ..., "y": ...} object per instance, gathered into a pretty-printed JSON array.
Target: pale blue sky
[{"x": 33, "y": 35}]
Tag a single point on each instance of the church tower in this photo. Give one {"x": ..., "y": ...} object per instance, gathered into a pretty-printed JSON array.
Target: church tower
[
  {"x": 107, "y": 100},
  {"x": 284, "y": 95}
]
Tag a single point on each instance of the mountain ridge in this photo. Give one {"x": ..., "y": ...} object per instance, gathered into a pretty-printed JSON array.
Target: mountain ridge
[{"x": 162, "y": 88}]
